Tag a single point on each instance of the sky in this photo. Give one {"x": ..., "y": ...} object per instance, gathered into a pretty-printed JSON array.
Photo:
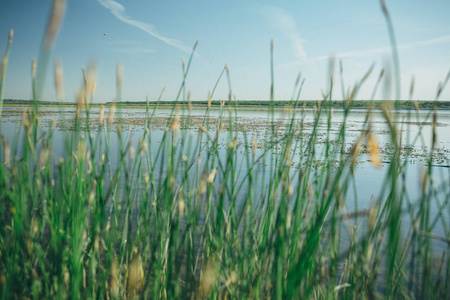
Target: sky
[{"x": 151, "y": 38}]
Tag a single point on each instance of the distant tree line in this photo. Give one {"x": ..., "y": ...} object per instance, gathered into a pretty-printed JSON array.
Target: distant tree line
[{"x": 362, "y": 104}]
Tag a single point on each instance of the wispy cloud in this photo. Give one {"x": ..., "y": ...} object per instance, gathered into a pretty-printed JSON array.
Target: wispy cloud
[
  {"x": 370, "y": 52},
  {"x": 286, "y": 24},
  {"x": 118, "y": 10},
  {"x": 401, "y": 47}
]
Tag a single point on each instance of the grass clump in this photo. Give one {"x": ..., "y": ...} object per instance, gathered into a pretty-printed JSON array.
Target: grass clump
[{"x": 175, "y": 214}]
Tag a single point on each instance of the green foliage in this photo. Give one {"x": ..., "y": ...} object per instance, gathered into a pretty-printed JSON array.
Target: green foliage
[
  {"x": 161, "y": 224},
  {"x": 178, "y": 217}
]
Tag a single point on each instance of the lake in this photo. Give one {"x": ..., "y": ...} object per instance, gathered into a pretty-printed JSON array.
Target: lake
[
  {"x": 414, "y": 128},
  {"x": 243, "y": 191}
]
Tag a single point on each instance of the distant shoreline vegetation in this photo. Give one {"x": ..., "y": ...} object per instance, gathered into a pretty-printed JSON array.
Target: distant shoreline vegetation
[{"x": 262, "y": 104}]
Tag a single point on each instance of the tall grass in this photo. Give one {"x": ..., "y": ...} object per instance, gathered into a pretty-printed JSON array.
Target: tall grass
[{"x": 186, "y": 218}]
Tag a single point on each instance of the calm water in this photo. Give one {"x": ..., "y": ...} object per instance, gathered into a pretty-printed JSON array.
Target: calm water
[{"x": 415, "y": 129}]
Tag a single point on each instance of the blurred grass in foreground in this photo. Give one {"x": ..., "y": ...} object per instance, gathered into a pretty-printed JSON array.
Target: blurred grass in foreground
[{"x": 180, "y": 222}]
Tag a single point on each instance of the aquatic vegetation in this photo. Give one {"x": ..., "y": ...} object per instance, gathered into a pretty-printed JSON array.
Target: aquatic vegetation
[{"x": 215, "y": 207}]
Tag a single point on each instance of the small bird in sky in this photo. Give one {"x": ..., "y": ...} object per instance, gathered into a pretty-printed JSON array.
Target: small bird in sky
[{"x": 105, "y": 33}]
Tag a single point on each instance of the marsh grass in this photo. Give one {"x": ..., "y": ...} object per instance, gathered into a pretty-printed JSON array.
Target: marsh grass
[{"x": 187, "y": 219}]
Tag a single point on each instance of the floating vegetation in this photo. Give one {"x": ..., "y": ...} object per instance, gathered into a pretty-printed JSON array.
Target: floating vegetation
[{"x": 108, "y": 204}]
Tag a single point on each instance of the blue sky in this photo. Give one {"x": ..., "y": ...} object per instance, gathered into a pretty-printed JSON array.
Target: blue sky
[{"x": 149, "y": 38}]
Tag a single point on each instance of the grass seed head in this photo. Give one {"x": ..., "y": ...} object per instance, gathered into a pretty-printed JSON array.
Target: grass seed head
[
  {"x": 80, "y": 102},
  {"x": 11, "y": 34},
  {"x": 59, "y": 85},
  {"x": 119, "y": 76},
  {"x": 91, "y": 197},
  {"x": 424, "y": 180},
  {"x": 55, "y": 21},
  {"x": 142, "y": 145},
  {"x": 102, "y": 113},
  {"x": 112, "y": 111},
  {"x": 147, "y": 180},
  {"x": 181, "y": 206},
  {"x": 5, "y": 57},
  {"x": 208, "y": 278},
  {"x": 90, "y": 82},
  {"x": 81, "y": 148},
  {"x": 183, "y": 66},
  {"x": 131, "y": 151},
  {"x": 211, "y": 176},
  {"x": 33, "y": 69},
  {"x": 202, "y": 128},
  {"x": 374, "y": 150},
  {"x": 231, "y": 279},
  {"x": 288, "y": 220},
  {"x": 114, "y": 279},
  {"x": 93, "y": 87},
  {"x": 96, "y": 242},
  {"x": 66, "y": 277},
  {"x": 6, "y": 151},
  {"x": 43, "y": 158},
  {"x": 25, "y": 119},
  {"x": 175, "y": 126},
  {"x": 189, "y": 104},
  {"x": 34, "y": 225},
  {"x": 355, "y": 151},
  {"x": 135, "y": 276},
  {"x": 290, "y": 189},
  {"x": 233, "y": 143},
  {"x": 202, "y": 185}
]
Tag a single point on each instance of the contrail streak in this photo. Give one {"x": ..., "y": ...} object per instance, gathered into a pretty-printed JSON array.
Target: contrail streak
[{"x": 118, "y": 10}]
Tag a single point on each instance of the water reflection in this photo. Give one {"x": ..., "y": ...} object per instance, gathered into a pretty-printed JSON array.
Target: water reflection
[{"x": 253, "y": 139}]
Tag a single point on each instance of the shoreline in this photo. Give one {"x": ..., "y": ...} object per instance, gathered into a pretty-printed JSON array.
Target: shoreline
[{"x": 277, "y": 105}]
